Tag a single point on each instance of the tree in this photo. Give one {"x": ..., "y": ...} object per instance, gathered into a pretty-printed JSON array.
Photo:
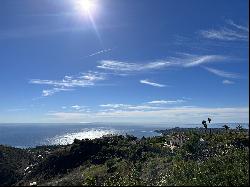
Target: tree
[
  {"x": 226, "y": 127},
  {"x": 204, "y": 123},
  {"x": 239, "y": 127},
  {"x": 209, "y": 120},
  {"x": 143, "y": 138}
]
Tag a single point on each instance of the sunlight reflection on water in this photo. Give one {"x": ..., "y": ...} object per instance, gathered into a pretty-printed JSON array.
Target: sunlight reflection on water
[{"x": 68, "y": 138}]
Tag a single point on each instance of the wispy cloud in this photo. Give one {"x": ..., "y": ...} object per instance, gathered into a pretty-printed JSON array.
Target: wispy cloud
[
  {"x": 227, "y": 82},
  {"x": 222, "y": 73},
  {"x": 52, "y": 91},
  {"x": 196, "y": 60},
  {"x": 240, "y": 27},
  {"x": 182, "y": 60},
  {"x": 114, "y": 105},
  {"x": 128, "y": 107},
  {"x": 68, "y": 83},
  {"x": 151, "y": 105},
  {"x": 152, "y": 83},
  {"x": 232, "y": 32},
  {"x": 176, "y": 115},
  {"x": 100, "y": 52},
  {"x": 124, "y": 66},
  {"x": 167, "y": 101},
  {"x": 76, "y": 107}
]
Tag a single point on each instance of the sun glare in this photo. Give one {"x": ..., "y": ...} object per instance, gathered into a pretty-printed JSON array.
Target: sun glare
[{"x": 86, "y": 6}]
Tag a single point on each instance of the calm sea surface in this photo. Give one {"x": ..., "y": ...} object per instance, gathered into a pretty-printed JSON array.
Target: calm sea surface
[{"x": 32, "y": 135}]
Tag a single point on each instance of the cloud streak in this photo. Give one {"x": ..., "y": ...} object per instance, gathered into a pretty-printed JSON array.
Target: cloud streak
[
  {"x": 183, "y": 60},
  {"x": 196, "y": 60},
  {"x": 76, "y": 107},
  {"x": 152, "y": 83},
  {"x": 68, "y": 83},
  {"x": 52, "y": 91},
  {"x": 128, "y": 107},
  {"x": 152, "y": 105},
  {"x": 233, "y": 32},
  {"x": 129, "y": 67},
  {"x": 222, "y": 73},
  {"x": 167, "y": 101},
  {"x": 240, "y": 27},
  {"x": 175, "y": 115},
  {"x": 100, "y": 52},
  {"x": 227, "y": 82},
  {"x": 152, "y": 112}
]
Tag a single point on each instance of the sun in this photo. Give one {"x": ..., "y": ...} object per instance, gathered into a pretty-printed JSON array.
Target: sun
[{"x": 88, "y": 7}]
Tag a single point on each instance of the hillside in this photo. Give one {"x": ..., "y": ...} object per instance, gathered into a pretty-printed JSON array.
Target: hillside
[{"x": 216, "y": 158}]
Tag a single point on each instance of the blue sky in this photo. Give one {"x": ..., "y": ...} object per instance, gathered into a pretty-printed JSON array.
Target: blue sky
[{"x": 124, "y": 61}]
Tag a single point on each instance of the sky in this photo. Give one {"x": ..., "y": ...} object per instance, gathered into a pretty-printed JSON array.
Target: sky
[{"x": 147, "y": 62}]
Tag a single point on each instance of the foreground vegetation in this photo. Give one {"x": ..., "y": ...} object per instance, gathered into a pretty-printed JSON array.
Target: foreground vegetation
[{"x": 219, "y": 157}]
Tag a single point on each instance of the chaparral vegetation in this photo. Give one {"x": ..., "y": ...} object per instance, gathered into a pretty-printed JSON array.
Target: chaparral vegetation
[{"x": 180, "y": 156}]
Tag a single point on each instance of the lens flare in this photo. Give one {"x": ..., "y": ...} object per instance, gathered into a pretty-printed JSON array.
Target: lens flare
[{"x": 88, "y": 8}]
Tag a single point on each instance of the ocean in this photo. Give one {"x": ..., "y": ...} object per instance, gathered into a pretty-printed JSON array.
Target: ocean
[{"x": 32, "y": 135}]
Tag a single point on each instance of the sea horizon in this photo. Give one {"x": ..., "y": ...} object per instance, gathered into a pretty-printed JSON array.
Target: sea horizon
[
  {"x": 119, "y": 123},
  {"x": 25, "y": 135}
]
